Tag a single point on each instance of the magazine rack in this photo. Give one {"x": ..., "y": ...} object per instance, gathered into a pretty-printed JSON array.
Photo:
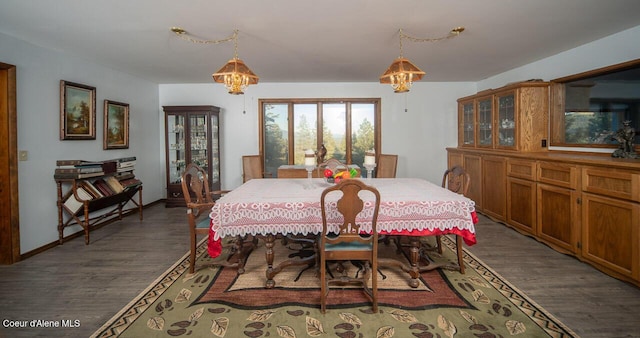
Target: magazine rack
[{"x": 80, "y": 202}]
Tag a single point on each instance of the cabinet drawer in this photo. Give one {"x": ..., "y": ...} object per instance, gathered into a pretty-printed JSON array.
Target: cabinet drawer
[
  {"x": 561, "y": 175},
  {"x": 521, "y": 169},
  {"x": 615, "y": 183}
]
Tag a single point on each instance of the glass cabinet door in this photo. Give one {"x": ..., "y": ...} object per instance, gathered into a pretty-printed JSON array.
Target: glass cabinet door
[
  {"x": 198, "y": 140},
  {"x": 214, "y": 175},
  {"x": 192, "y": 138},
  {"x": 176, "y": 144},
  {"x": 468, "y": 123},
  {"x": 485, "y": 122},
  {"x": 506, "y": 120}
]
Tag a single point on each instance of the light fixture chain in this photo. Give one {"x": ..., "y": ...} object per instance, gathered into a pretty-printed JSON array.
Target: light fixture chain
[
  {"x": 452, "y": 34},
  {"x": 402, "y": 73},
  {"x": 183, "y": 34},
  {"x": 235, "y": 75},
  {"x": 401, "y": 35},
  {"x": 235, "y": 43}
]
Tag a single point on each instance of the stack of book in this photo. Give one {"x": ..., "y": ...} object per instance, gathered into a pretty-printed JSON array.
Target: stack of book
[
  {"x": 96, "y": 179},
  {"x": 77, "y": 169},
  {"x": 125, "y": 176},
  {"x": 125, "y": 167}
]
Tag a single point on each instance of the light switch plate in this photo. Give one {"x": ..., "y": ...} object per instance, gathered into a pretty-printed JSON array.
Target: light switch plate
[{"x": 23, "y": 155}]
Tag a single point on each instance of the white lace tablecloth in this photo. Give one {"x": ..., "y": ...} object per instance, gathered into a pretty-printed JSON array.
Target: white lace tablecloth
[{"x": 292, "y": 206}]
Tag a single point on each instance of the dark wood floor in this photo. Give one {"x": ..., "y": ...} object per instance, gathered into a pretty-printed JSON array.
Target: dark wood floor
[{"x": 91, "y": 283}]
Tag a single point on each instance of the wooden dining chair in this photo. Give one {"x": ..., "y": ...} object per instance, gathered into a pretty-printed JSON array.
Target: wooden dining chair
[
  {"x": 386, "y": 168},
  {"x": 346, "y": 242},
  {"x": 199, "y": 201},
  {"x": 457, "y": 180},
  {"x": 387, "y": 165},
  {"x": 252, "y": 168}
]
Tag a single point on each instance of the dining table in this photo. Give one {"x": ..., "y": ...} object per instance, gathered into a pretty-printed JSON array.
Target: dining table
[{"x": 411, "y": 207}]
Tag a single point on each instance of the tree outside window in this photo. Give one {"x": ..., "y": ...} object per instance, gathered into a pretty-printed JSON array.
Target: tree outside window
[{"x": 346, "y": 127}]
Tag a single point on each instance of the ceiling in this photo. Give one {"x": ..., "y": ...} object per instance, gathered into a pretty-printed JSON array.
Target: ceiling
[{"x": 314, "y": 41}]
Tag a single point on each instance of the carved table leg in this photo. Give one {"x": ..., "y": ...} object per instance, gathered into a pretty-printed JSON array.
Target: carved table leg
[
  {"x": 414, "y": 257},
  {"x": 271, "y": 270},
  {"x": 417, "y": 252},
  {"x": 240, "y": 248},
  {"x": 422, "y": 250},
  {"x": 268, "y": 243}
]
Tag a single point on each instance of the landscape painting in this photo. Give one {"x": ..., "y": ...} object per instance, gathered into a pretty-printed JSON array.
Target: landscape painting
[
  {"x": 116, "y": 125},
  {"x": 77, "y": 111}
]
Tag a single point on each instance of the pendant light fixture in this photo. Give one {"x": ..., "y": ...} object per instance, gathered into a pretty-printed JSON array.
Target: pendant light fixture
[
  {"x": 402, "y": 73},
  {"x": 235, "y": 74}
]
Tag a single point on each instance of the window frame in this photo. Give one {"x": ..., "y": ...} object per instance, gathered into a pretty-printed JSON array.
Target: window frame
[
  {"x": 558, "y": 96},
  {"x": 319, "y": 135}
]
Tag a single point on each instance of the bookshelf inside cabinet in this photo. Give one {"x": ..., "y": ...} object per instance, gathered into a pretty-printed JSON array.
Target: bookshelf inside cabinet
[{"x": 81, "y": 202}]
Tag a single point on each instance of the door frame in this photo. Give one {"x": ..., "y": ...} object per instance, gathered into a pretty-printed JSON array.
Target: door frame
[{"x": 9, "y": 226}]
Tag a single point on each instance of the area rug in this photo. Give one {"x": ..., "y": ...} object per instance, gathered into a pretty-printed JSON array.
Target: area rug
[{"x": 217, "y": 302}]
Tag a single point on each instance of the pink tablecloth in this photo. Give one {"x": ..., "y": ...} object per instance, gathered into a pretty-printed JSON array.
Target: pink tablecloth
[{"x": 408, "y": 206}]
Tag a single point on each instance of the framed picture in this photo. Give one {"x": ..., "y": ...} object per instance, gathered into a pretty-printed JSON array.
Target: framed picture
[
  {"x": 116, "y": 125},
  {"x": 77, "y": 111}
]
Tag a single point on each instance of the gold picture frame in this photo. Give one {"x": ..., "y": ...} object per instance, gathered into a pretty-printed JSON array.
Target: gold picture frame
[
  {"x": 116, "y": 125},
  {"x": 77, "y": 111}
]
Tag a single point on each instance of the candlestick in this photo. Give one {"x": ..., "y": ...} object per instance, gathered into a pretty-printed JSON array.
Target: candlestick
[
  {"x": 370, "y": 157},
  {"x": 309, "y": 169},
  {"x": 309, "y": 158},
  {"x": 369, "y": 167}
]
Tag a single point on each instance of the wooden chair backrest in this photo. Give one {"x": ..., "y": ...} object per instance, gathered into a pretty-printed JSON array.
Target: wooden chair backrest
[
  {"x": 251, "y": 167},
  {"x": 387, "y": 165},
  {"x": 349, "y": 206},
  {"x": 457, "y": 180},
  {"x": 195, "y": 188}
]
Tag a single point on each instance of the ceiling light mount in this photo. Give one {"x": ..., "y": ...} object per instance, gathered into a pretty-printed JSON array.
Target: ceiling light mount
[
  {"x": 235, "y": 74},
  {"x": 457, "y": 30},
  {"x": 402, "y": 73},
  {"x": 178, "y": 30}
]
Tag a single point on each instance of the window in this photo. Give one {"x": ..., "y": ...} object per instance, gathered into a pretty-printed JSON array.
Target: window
[
  {"x": 346, "y": 127},
  {"x": 589, "y": 108}
]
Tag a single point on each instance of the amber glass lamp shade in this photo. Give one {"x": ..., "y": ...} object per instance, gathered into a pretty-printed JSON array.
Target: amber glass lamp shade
[
  {"x": 401, "y": 74},
  {"x": 235, "y": 76}
]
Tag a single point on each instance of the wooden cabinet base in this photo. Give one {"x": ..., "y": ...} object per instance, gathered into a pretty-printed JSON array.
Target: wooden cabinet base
[{"x": 586, "y": 206}]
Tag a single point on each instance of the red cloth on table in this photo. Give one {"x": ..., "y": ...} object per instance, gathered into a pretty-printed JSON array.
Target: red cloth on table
[{"x": 214, "y": 246}]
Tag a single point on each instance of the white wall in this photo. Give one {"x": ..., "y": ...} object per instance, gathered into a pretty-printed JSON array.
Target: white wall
[
  {"x": 39, "y": 72},
  {"x": 419, "y": 136},
  {"x": 611, "y": 50}
]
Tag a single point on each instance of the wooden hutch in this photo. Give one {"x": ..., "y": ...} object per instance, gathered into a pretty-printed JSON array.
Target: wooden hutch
[{"x": 583, "y": 204}]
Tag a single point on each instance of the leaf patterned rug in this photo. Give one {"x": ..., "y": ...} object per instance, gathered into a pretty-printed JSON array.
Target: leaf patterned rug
[{"x": 217, "y": 302}]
